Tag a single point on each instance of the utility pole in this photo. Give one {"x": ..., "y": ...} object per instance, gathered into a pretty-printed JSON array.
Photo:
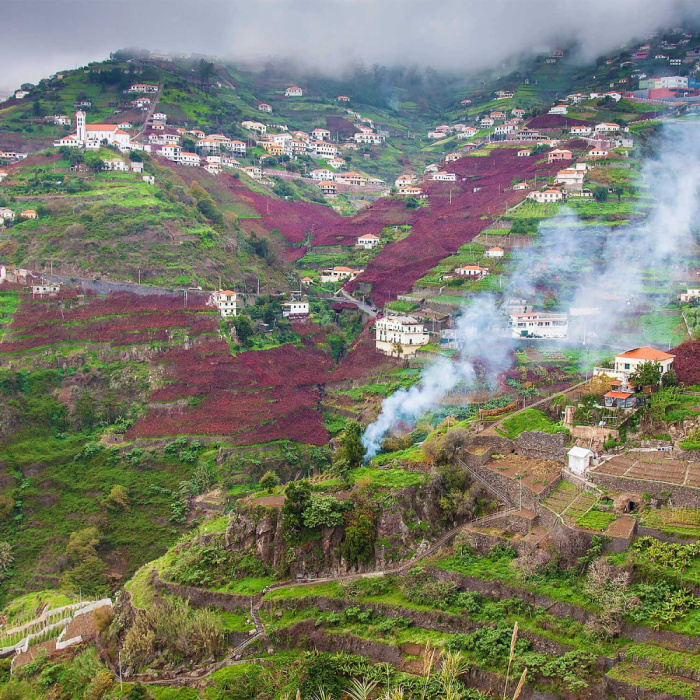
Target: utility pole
[
  {"x": 121, "y": 682},
  {"x": 258, "y": 285},
  {"x": 139, "y": 276}
]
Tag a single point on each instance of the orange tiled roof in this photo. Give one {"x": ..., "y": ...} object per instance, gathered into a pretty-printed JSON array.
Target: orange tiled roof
[{"x": 646, "y": 353}]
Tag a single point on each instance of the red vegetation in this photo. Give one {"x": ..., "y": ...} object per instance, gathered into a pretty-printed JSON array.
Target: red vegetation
[
  {"x": 120, "y": 319},
  {"x": 256, "y": 396},
  {"x": 341, "y": 127},
  {"x": 687, "y": 362},
  {"x": 440, "y": 229}
]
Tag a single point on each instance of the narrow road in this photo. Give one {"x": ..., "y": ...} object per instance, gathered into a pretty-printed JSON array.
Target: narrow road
[{"x": 363, "y": 306}]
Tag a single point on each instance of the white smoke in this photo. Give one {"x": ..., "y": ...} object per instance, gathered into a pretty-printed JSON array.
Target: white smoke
[
  {"x": 477, "y": 330},
  {"x": 586, "y": 266}
]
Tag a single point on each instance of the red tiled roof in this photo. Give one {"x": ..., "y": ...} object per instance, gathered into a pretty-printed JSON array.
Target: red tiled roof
[{"x": 618, "y": 395}]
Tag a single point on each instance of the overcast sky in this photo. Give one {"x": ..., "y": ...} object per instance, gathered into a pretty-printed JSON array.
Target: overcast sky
[{"x": 40, "y": 37}]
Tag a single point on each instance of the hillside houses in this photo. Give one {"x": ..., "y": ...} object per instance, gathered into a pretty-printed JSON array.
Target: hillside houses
[
  {"x": 559, "y": 154},
  {"x": 471, "y": 271},
  {"x": 368, "y": 241},
  {"x": 293, "y": 91},
  {"x": 143, "y": 88},
  {"x": 443, "y": 176}
]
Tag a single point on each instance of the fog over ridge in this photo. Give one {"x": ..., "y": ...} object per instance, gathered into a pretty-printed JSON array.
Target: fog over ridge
[{"x": 49, "y": 35}]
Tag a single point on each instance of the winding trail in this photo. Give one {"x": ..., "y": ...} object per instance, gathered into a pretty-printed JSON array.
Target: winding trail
[{"x": 234, "y": 657}]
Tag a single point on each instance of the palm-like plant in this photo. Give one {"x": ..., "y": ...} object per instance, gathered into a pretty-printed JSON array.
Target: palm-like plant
[
  {"x": 322, "y": 694},
  {"x": 360, "y": 689}
]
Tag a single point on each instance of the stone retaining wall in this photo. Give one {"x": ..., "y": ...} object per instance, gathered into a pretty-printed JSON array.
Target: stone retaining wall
[
  {"x": 680, "y": 495},
  {"x": 542, "y": 445},
  {"x": 202, "y": 598}
]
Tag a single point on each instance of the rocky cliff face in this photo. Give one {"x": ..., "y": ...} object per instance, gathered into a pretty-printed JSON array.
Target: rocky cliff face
[{"x": 405, "y": 518}]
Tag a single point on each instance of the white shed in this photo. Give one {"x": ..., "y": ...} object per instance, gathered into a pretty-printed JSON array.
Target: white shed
[{"x": 580, "y": 459}]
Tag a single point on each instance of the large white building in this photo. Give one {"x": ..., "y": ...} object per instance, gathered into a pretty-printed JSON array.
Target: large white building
[
  {"x": 92, "y": 136},
  {"x": 400, "y": 336},
  {"x": 538, "y": 324}
]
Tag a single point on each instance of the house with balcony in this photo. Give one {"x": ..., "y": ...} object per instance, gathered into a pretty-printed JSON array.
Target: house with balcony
[
  {"x": 546, "y": 196},
  {"x": 626, "y": 363},
  {"x": 226, "y": 302},
  {"x": 400, "y": 336},
  {"x": 368, "y": 241},
  {"x": 296, "y": 308},
  {"x": 539, "y": 324}
]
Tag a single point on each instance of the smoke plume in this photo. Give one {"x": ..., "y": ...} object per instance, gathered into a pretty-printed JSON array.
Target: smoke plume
[{"x": 580, "y": 266}]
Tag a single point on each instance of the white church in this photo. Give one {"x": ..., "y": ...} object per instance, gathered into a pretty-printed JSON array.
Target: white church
[{"x": 92, "y": 136}]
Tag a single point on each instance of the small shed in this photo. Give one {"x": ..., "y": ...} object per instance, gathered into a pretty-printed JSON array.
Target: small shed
[{"x": 580, "y": 459}]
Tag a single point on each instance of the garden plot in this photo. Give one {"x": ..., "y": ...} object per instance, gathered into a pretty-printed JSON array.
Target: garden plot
[
  {"x": 652, "y": 466},
  {"x": 536, "y": 473},
  {"x": 582, "y": 503},
  {"x": 561, "y": 498}
]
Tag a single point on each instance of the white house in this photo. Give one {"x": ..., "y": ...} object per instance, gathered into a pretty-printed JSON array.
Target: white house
[
  {"x": 323, "y": 149},
  {"x": 524, "y": 153},
  {"x": 494, "y": 252},
  {"x": 264, "y": 107},
  {"x": 607, "y": 127},
  {"x": 3, "y": 175},
  {"x": 328, "y": 187},
  {"x": 226, "y": 301},
  {"x": 61, "y": 120},
  {"x": 254, "y": 126},
  {"x": 583, "y": 130},
  {"x": 143, "y": 87},
  {"x": 293, "y": 91},
  {"x": 626, "y": 363},
  {"x": 149, "y": 179},
  {"x": 546, "y": 196},
  {"x": 443, "y": 176},
  {"x": 580, "y": 459},
  {"x": 472, "y": 271},
  {"x": 171, "y": 152},
  {"x": 7, "y": 214},
  {"x": 369, "y": 138},
  {"x": 160, "y": 117},
  {"x": 685, "y": 297},
  {"x": 190, "y": 159},
  {"x": 339, "y": 272},
  {"x": 536, "y": 324},
  {"x": 452, "y": 157},
  {"x": 368, "y": 241},
  {"x": 559, "y": 154},
  {"x": 254, "y": 171},
  {"x": 321, "y": 134},
  {"x": 322, "y": 174},
  {"x": 405, "y": 179},
  {"x": 486, "y": 122},
  {"x": 116, "y": 164},
  {"x": 295, "y": 307},
  {"x": 597, "y": 153},
  {"x": 21, "y": 94},
  {"x": 136, "y": 167},
  {"x": 45, "y": 288},
  {"x": 570, "y": 178},
  {"x": 559, "y": 109},
  {"x": 400, "y": 336},
  {"x": 411, "y": 191}
]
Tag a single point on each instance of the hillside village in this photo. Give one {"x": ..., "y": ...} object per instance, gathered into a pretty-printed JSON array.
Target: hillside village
[{"x": 216, "y": 279}]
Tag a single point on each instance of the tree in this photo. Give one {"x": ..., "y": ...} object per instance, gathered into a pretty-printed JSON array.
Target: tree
[
  {"x": 269, "y": 481},
  {"x": 600, "y": 193},
  {"x": 205, "y": 71},
  {"x": 352, "y": 450},
  {"x": 647, "y": 374},
  {"x": 669, "y": 379},
  {"x": 244, "y": 329},
  {"x": 297, "y": 499},
  {"x": 412, "y": 203},
  {"x": 323, "y": 511},
  {"x": 118, "y": 498},
  {"x": 94, "y": 162},
  {"x": 618, "y": 193},
  {"x": 188, "y": 145}
]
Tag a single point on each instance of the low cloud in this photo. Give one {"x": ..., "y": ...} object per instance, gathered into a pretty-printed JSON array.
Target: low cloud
[{"x": 42, "y": 36}]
